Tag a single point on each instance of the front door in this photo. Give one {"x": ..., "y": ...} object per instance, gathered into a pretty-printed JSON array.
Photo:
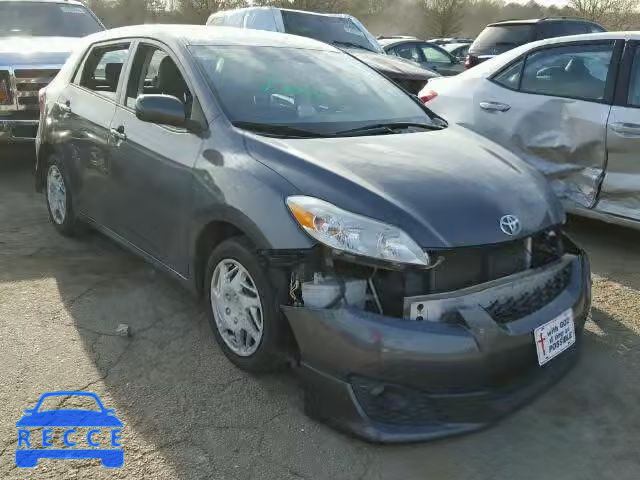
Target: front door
[
  {"x": 152, "y": 164},
  {"x": 620, "y": 192},
  {"x": 551, "y": 109},
  {"x": 83, "y": 114},
  {"x": 439, "y": 60}
]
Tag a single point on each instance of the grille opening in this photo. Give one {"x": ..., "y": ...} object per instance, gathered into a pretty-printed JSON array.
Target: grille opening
[
  {"x": 466, "y": 267},
  {"x": 36, "y": 73}
]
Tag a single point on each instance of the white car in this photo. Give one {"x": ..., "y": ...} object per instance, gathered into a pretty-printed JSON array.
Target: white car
[{"x": 570, "y": 107}]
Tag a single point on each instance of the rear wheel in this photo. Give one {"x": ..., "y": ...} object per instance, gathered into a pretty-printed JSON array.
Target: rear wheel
[
  {"x": 243, "y": 308},
  {"x": 58, "y": 197}
]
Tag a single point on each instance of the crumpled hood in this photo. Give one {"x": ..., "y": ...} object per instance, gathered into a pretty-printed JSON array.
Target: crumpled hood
[
  {"x": 394, "y": 66},
  {"x": 29, "y": 50},
  {"x": 445, "y": 188}
]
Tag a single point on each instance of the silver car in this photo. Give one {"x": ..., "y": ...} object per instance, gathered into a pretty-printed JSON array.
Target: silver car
[{"x": 570, "y": 107}]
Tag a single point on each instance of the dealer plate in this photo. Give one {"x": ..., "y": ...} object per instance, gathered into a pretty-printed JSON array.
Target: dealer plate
[{"x": 555, "y": 337}]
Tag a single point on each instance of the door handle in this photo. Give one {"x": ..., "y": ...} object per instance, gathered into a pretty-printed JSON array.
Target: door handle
[
  {"x": 118, "y": 133},
  {"x": 626, "y": 129},
  {"x": 495, "y": 107},
  {"x": 64, "y": 107}
]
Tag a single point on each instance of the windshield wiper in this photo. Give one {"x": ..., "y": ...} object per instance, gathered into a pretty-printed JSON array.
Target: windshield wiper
[
  {"x": 351, "y": 45},
  {"x": 386, "y": 128},
  {"x": 279, "y": 130}
]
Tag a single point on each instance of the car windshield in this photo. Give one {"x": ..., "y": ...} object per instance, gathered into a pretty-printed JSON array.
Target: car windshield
[
  {"x": 338, "y": 31},
  {"x": 503, "y": 37},
  {"x": 46, "y": 20},
  {"x": 322, "y": 92}
]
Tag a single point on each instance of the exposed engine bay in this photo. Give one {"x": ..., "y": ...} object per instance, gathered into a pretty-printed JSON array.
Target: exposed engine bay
[{"x": 324, "y": 279}]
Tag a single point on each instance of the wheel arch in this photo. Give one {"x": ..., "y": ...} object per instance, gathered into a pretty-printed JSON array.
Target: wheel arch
[{"x": 211, "y": 230}]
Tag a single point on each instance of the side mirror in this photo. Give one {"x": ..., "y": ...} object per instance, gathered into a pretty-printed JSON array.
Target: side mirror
[{"x": 162, "y": 109}]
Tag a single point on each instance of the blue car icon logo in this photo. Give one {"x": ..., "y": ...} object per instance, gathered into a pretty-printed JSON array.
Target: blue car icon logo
[{"x": 103, "y": 428}]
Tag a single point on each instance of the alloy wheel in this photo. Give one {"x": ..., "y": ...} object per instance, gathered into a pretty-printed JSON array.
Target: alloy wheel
[
  {"x": 56, "y": 195},
  {"x": 237, "y": 307}
]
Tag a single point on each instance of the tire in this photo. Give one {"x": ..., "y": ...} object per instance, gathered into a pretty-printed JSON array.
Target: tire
[
  {"x": 59, "y": 199},
  {"x": 225, "y": 312}
]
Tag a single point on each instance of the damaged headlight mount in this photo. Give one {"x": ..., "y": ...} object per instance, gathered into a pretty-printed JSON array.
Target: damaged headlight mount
[{"x": 355, "y": 234}]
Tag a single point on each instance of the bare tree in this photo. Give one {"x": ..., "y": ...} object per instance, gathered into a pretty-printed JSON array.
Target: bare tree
[
  {"x": 444, "y": 17},
  {"x": 614, "y": 14}
]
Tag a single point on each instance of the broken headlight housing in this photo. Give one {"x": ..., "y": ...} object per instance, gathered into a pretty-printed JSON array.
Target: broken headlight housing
[{"x": 355, "y": 234}]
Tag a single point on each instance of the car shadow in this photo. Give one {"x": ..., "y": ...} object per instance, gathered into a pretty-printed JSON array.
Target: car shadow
[{"x": 601, "y": 239}]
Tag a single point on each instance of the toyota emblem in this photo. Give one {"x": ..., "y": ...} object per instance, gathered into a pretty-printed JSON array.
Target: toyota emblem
[{"x": 510, "y": 225}]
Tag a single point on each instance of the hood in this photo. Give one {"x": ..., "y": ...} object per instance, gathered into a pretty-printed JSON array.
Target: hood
[
  {"x": 29, "y": 50},
  {"x": 393, "y": 66},
  {"x": 446, "y": 188}
]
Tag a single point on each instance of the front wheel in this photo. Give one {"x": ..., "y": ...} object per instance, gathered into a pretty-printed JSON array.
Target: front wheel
[
  {"x": 243, "y": 308},
  {"x": 58, "y": 197}
]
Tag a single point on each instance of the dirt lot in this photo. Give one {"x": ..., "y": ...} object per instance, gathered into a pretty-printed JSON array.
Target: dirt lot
[{"x": 188, "y": 413}]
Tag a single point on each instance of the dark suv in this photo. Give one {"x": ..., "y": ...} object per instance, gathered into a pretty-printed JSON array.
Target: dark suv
[{"x": 500, "y": 37}]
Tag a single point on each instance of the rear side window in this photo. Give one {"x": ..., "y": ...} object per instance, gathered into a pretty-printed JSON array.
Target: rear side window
[
  {"x": 434, "y": 55},
  {"x": 575, "y": 71},
  {"x": 634, "y": 85},
  {"x": 500, "y": 38},
  {"x": 154, "y": 72},
  {"x": 408, "y": 52},
  {"x": 261, "y": 19},
  {"x": 554, "y": 29},
  {"x": 102, "y": 69},
  {"x": 510, "y": 77}
]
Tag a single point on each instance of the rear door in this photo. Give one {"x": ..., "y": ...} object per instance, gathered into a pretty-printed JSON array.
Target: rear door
[
  {"x": 85, "y": 109},
  {"x": 437, "y": 59},
  {"x": 551, "y": 108},
  {"x": 151, "y": 174},
  {"x": 620, "y": 192}
]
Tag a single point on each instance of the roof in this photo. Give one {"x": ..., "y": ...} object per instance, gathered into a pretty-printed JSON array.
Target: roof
[
  {"x": 388, "y": 42},
  {"x": 452, "y": 46},
  {"x": 587, "y": 36},
  {"x": 488, "y": 67},
  {"x": 531, "y": 21},
  {"x": 207, "y": 35}
]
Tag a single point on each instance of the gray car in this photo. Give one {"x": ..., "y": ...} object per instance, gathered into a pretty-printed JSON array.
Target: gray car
[{"x": 414, "y": 274}]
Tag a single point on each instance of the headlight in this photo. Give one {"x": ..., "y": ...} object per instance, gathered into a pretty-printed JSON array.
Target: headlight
[{"x": 354, "y": 233}]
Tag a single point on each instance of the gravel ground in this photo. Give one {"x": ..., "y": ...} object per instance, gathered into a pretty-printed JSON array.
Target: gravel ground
[{"x": 188, "y": 413}]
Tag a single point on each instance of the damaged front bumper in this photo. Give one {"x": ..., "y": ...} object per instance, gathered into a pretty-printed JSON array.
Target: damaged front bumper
[{"x": 470, "y": 362}]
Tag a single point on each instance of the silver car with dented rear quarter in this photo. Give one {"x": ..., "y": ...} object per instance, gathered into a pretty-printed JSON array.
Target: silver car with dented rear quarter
[{"x": 568, "y": 106}]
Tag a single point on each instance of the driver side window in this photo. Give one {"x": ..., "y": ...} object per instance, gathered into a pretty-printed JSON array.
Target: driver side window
[{"x": 154, "y": 72}]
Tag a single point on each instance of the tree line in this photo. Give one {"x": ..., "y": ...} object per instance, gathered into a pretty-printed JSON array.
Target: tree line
[{"x": 422, "y": 18}]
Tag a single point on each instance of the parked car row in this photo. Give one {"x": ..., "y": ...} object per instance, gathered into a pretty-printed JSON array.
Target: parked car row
[
  {"x": 340, "y": 30},
  {"x": 414, "y": 273},
  {"x": 408, "y": 268}
]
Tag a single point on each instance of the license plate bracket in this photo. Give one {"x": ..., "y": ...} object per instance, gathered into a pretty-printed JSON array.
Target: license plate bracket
[{"x": 554, "y": 337}]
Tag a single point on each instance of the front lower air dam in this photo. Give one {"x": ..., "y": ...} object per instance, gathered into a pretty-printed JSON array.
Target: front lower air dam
[{"x": 388, "y": 379}]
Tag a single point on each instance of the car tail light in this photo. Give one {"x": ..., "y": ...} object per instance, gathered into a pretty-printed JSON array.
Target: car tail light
[
  {"x": 42, "y": 98},
  {"x": 428, "y": 95},
  {"x": 471, "y": 61}
]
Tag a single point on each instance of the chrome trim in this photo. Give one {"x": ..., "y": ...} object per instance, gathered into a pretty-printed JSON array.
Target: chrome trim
[
  {"x": 15, "y": 105},
  {"x": 6, "y": 130}
]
